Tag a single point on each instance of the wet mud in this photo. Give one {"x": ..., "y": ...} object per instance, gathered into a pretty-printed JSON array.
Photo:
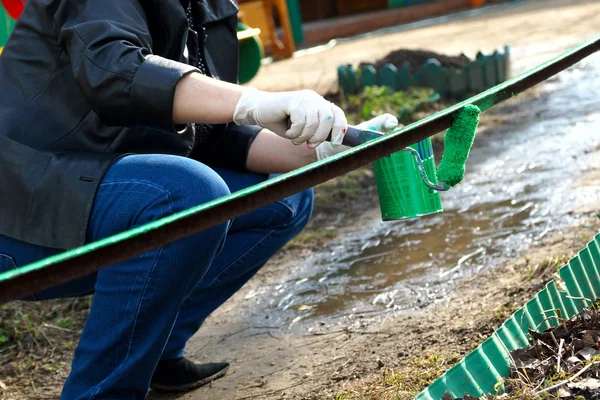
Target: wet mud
[{"x": 518, "y": 189}]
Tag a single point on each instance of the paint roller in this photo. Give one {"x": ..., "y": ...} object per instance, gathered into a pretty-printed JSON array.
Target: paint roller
[{"x": 408, "y": 183}]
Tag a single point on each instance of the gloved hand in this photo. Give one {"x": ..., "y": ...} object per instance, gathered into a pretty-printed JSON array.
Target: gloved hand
[
  {"x": 312, "y": 117},
  {"x": 382, "y": 123}
]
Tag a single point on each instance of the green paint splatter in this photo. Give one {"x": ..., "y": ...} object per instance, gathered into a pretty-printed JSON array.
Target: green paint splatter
[{"x": 457, "y": 145}]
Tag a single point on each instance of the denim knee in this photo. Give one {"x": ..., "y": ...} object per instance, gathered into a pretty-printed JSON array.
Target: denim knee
[
  {"x": 190, "y": 183},
  {"x": 300, "y": 208},
  {"x": 139, "y": 189}
]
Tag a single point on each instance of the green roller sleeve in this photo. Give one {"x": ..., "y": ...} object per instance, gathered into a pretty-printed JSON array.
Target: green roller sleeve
[{"x": 457, "y": 145}]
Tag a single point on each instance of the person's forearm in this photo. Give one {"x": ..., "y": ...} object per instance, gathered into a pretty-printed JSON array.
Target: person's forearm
[
  {"x": 202, "y": 99},
  {"x": 270, "y": 154}
]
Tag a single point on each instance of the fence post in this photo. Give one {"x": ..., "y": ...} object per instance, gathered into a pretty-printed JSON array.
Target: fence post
[
  {"x": 507, "y": 61},
  {"x": 343, "y": 80},
  {"x": 434, "y": 77},
  {"x": 419, "y": 79},
  {"x": 457, "y": 84},
  {"x": 368, "y": 76},
  {"x": 474, "y": 72},
  {"x": 405, "y": 79},
  {"x": 489, "y": 71},
  {"x": 499, "y": 62},
  {"x": 388, "y": 76}
]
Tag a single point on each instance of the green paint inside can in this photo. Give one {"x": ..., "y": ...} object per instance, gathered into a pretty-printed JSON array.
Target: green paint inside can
[{"x": 402, "y": 192}]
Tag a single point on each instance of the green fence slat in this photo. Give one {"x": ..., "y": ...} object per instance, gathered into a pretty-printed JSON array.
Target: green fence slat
[
  {"x": 548, "y": 309},
  {"x": 570, "y": 305},
  {"x": 489, "y": 72},
  {"x": 419, "y": 79},
  {"x": 353, "y": 78},
  {"x": 582, "y": 278},
  {"x": 499, "y": 62},
  {"x": 434, "y": 76},
  {"x": 405, "y": 78},
  {"x": 347, "y": 79},
  {"x": 515, "y": 324},
  {"x": 594, "y": 249},
  {"x": 388, "y": 77},
  {"x": 342, "y": 76},
  {"x": 458, "y": 84},
  {"x": 575, "y": 292},
  {"x": 475, "y": 79},
  {"x": 534, "y": 314},
  {"x": 544, "y": 322},
  {"x": 506, "y": 63},
  {"x": 507, "y": 337},
  {"x": 558, "y": 306},
  {"x": 368, "y": 76},
  {"x": 497, "y": 354},
  {"x": 482, "y": 371},
  {"x": 591, "y": 270},
  {"x": 459, "y": 381},
  {"x": 436, "y": 390},
  {"x": 557, "y": 300}
]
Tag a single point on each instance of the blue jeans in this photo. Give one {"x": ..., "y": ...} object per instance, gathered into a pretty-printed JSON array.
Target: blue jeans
[{"x": 145, "y": 309}]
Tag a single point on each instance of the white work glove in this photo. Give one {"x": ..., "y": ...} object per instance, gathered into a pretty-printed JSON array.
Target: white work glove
[
  {"x": 382, "y": 123},
  {"x": 312, "y": 117}
]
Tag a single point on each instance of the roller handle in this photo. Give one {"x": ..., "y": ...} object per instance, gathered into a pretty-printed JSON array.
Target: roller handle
[{"x": 354, "y": 136}]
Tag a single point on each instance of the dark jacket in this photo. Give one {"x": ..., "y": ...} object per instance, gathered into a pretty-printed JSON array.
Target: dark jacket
[{"x": 83, "y": 82}]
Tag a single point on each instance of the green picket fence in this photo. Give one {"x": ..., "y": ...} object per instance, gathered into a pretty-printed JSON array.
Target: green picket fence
[
  {"x": 483, "y": 370},
  {"x": 484, "y": 72}
]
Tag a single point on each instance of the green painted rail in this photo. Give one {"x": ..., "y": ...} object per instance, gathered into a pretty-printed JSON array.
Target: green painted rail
[
  {"x": 87, "y": 259},
  {"x": 482, "y": 371}
]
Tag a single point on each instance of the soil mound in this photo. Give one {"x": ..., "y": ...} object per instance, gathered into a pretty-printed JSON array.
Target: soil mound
[{"x": 417, "y": 59}]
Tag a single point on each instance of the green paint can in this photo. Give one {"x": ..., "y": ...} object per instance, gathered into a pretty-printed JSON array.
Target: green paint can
[{"x": 407, "y": 182}]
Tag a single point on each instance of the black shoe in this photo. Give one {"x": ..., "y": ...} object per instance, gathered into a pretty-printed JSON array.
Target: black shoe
[{"x": 183, "y": 375}]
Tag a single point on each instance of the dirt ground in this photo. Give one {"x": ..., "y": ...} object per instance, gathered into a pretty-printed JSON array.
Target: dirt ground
[
  {"x": 356, "y": 360},
  {"x": 353, "y": 360}
]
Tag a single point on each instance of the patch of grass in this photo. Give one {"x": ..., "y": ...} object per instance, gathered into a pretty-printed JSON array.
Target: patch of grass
[
  {"x": 547, "y": 268},
  {"x": 36, "y": 342},
  {"x": 377, "y": 100},
  {"x": 347, "y": 186},
  {"x": 23, "y": 324},
  {"x": 502, "y": 313},
  {"x": 66, "y": 323},
  {"x": 344, "y": 396},
  {"x": 408, "y": 381}
]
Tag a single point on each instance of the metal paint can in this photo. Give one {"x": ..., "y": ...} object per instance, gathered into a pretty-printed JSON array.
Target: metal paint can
[{"x": 402, "y": 192}]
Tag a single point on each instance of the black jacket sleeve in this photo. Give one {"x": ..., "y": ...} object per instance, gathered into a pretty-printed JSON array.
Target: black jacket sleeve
[
  {"x": 229, "y": 148},
  {"x": 110, "y": 48}
]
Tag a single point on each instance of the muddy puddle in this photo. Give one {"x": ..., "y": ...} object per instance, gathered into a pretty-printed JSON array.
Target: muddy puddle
[{"x": 520, "y": 186}]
